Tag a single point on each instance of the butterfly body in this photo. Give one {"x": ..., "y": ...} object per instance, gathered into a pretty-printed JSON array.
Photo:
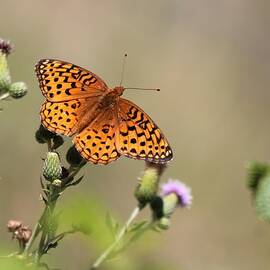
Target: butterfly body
[
  {"x": 105, "y": 125},
  {"x": 105, "y": 102}
]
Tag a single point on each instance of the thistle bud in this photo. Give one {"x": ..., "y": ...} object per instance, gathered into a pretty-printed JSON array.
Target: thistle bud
[
  {"x": 262, "y": 198},
  {"x": 23, "y": 234},
  {"x": 148, "y": 185},
  {"x": 19, "y": 232},
  {"x": 57, "y": 141},
  {"x": 164, "y": 223},
  {"x": 73, "y": 157},
  {"x": 57, "y": 183},
  {"x": 52, "y": 167},
  {"x": 256, "y": 172},
  {"x": 5, "y": 79},
  {"x": 169, "y": 204},
  {"x": 42, "y": 135},
  {"x": 18, "y": 89},
  {"x": 13, "y": 225}
]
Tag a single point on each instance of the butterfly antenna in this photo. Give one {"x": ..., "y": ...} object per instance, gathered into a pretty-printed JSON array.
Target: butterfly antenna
[
  {"x": 123, "y": 68},
  {"x": 137, "y": 88}
]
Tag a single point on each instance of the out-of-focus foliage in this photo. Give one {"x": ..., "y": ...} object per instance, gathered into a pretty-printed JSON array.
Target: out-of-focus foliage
[{"x": 89, "y": 216}]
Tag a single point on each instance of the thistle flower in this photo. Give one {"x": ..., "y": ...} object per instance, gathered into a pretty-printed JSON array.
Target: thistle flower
[
  {"x": 5, "y": 47},
  {"x": 13, "y": 225},
  {"x": 181, "y": 190},
  {"x": 174, "y": 193},
  {"x": 19, "y": 231}
]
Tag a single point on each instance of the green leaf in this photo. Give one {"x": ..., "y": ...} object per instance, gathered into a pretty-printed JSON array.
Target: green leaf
[
  {"x": 88, "y": 214},
  {"x": 112, "y": 224},
  {"x": 137, "y": 226}
]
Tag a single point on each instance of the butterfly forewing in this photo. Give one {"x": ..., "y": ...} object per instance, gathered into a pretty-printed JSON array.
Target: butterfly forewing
[
  {"x": 139, "y": 137},
  {"x": 62, "y": 81},
  {"x": 65, "y": 117}
]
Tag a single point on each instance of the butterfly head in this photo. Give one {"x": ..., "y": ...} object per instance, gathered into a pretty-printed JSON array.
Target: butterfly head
[{"x": 118, "y": 90}]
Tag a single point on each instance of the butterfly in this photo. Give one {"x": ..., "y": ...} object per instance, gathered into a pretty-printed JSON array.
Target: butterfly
[{"x": 105, "y": 126}]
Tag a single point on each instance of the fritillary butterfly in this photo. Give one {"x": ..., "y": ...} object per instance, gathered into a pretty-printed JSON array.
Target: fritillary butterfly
[{"x": 105, "y": 125}]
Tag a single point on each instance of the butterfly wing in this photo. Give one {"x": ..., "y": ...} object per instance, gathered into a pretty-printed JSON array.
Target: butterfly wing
[
  {"x": 70, "y": 92},
  {"x": 96, "y": 142},
  {"x": 63, "y": 81},
  {"x": 139, "y": 137},
  {"x": 64, "y": 117}
]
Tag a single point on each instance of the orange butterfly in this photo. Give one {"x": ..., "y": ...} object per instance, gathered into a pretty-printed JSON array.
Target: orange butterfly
[{"x": 106, "y": 126}]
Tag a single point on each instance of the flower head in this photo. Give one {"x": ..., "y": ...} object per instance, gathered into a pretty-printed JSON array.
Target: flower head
[
  {"x": 182, "y": 191},
  {"x": 13, "y": 225},
  {"x": 5, "y": 47}
]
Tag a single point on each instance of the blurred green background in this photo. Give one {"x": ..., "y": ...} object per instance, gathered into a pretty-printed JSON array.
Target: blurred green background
[{"x": 210, "y": 59}]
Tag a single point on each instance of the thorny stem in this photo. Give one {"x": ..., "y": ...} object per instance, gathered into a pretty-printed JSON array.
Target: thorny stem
[{"x": 118, "y": 238}]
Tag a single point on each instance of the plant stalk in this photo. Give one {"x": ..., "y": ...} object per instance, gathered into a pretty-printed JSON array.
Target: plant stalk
[{"x": 118, "y": 238}]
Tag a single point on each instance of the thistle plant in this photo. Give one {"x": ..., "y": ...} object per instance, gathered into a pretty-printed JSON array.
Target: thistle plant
[
  {"x": 259, "y": 184},
  {"x": 7, "y": 88},
  {"x": 55, "y": 178},
  {"x": 163, "y": 200},
  {"x": 174, "y": 193}
]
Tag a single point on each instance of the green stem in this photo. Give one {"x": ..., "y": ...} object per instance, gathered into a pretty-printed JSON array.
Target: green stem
[
  {"x": 137, "y": 236},
  {"x": 4, "y": 96},
  {"x": 29, "y": 244},
  {"x": 118, "y": 238}
]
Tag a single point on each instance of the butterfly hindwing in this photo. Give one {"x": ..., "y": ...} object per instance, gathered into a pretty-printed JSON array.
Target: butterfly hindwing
[
  {"x": 96, "y": 142},
  {"x": 139, "y": 137},
  {"x": 63, "y": 81}
]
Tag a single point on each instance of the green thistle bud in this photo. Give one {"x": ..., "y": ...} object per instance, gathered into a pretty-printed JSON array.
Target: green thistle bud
[
  {"x": 262, "y": 199},
  {"x": 256, "y": 171},
  {"x": 5, "y": 79},
  {"x": 148, "y": 185},
  {"x": 164, "y": 223},
  {"x": 18, "y": 89},
  {"x": 52, "y": 167},
  {"x": 170, "y": 202},
  {"x": 57, "y": 183}
]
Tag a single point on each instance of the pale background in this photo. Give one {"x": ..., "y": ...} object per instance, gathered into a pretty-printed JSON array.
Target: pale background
[{"x": 211, "y": 60}]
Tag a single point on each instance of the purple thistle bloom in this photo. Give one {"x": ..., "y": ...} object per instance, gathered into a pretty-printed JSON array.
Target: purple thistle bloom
[{"x": 182, "y": 191}]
